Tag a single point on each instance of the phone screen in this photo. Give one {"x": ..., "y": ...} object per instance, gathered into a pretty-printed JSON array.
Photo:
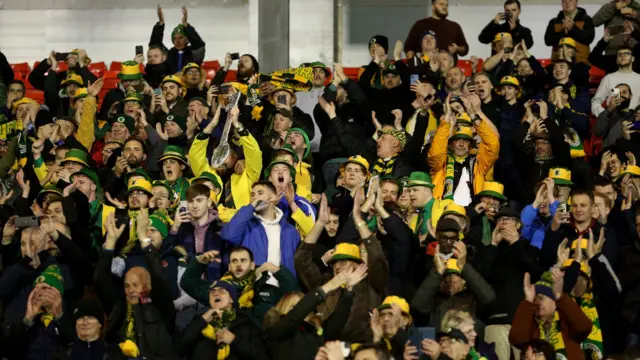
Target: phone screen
[
  {"x": 413, "y": 78},
  {"x": 282, "y": 99},
  {"x": 157, "y": 91},
  {"x": 139, "y": 50},
  {"x": 235, "y": 56}
]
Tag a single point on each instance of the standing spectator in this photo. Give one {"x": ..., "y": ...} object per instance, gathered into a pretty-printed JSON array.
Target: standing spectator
[
  {"x": 247, "y": 67},
  {"x": 307, "y": 100},
  {"x": 450, "y": 35},
  {"x": 571, "y": 22},
  {"x": 77, "y": 61},
  {"x": 187, "y": 45},
  {"x": 624, "y": 75},
  {"x": 614, "y": 14},
  {"x": 157, "y": 65},
  {"x": 511, "y": 25}
]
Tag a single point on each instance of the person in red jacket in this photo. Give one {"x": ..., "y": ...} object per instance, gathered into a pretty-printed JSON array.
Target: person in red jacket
[{"x": 549, "y": 314}]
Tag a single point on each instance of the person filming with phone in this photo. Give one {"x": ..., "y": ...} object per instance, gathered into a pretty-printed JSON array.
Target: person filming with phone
[
  {"x": 507, "y": 22},
  {"x": 610, "y": 121},
  {"x": 613, "y": 15}
]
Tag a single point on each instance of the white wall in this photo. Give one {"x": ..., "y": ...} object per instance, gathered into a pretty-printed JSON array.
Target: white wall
[{"x": 112, "y": 34}]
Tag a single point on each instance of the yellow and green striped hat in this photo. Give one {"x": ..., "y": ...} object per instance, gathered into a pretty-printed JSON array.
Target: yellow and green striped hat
[
  {"x": 561, "y": 176},
  {"x": 130, "y": 71}
]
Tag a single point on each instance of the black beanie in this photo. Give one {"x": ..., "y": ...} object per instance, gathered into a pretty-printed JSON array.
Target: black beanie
[
  {"x": 89, "y": 307},
  {"x": 44, "y": 117},
  {"x": 380, "y": 40},
  {"x": 256, "y": 65}
]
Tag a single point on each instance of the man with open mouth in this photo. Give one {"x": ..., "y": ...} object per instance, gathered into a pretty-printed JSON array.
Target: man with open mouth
[{"x": 174, "y": 163}]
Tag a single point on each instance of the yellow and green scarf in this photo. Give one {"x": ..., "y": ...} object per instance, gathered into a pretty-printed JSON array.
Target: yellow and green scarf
[
  {"x": 384, "y": 168},
  {"x": 245, "y": 285},
  {"x": 554, "y": 336},
  {"x": 450, "y": 175},
  {"x": 474, "y": 355},
  {"x": 224, "y": 350},
  {"x": 133, "y": 235},
  {"x": 593, "y": 344},
  {"x": 128, "y": 346}
]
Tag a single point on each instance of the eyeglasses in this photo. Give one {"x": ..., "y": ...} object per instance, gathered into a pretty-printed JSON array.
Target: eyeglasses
[
  {"x": 625, "y": 53},
  {"x": 446, "y": 239},
  {"x": 137, "y": 193},
  {"x": 192, "y": 72}
]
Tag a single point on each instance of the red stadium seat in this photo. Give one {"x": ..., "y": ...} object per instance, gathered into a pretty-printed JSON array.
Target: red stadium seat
[
  {"x": 465, "y": 65},
  {"x": 111, "y": 74},
  {"x": 211, "y": 73},
  {"x": 62, "y": 66},
  {"x": 212, "y": 64},
  {"x": 22, "y": 68},
  {"x": 231, "y": 76},
  {"x": 595, "y": 75},
  {"x": 115, "y": 66},
  {"x": 545, "y": 62},
  {"x": 352, "y": 73},
  {"x": 27, "y": 84},
  {"x": 36, "y": 95},
  {"x": 98, "y": 69},
  {"x": 110, "y": 83}
]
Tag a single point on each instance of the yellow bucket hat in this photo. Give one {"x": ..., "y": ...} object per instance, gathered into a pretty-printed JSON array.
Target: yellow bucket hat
[
  {"x": 24, "y": 100},
  {"x": 140, "y": 184},
  {"x": 632, "y": 170},
  {"x": 346, "y": 251},
  {"x": 462, "y": 132},
  {"x": 561, "y": 176},
  {"x": 356, "y": 159},
  {"x": 510, "y": 80},
  {"x": 464, "y": 117},
  {"x": 81, "y": 93},
  {"x": 501, "y": 36},
  {"x": 402, "y": 304},
  {"x": 72, "y": 78},
  {"x": 493, "y": 189},
  {"x": 130, "y": 70},
  {"x": 176, "y": 80},
  {"x": 455, "y": 209},
  {"x": 452, "y": 267},
  {"x": 568, "y": 42}
]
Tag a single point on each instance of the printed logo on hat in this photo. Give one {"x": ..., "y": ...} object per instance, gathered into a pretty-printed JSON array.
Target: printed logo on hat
[
  {"x": 373, "y": 40},
  {"x": 556, "y": 172},
  {"x": 170, "y": 117},
  {"x": 121, "y": 119}
]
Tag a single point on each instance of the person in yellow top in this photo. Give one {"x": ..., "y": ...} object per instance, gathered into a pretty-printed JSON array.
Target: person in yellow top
[
  {"x": 450, "y": 159},
  {"x": 303, "y": 177},
  {"x": 236, "y": 188},
  {"x": 299, "y": 141}
]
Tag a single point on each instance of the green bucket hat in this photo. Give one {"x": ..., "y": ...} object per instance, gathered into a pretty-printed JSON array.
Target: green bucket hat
[
  {"x": 76, "y": 155},
  {"x": 207, "y": 176},
  {"x": 134, "y": 96},
  {"x": 88, "y": 173},
  {"x": 160, "y": 224},
  {"x": 126, "y": 120},
  {"x": 317, "y": 64},
  {"x": 306, "y": 139},
  {"x": 173, "y": 152},
  {"x": 419, "y": 178},
  {"x": 48, "y": 189},
  {"x": 181, "y": 121},
  {"x": 280, "y": 160},
  {"x": 289, "y": 149},
  {"x": 51, "y": 276}
]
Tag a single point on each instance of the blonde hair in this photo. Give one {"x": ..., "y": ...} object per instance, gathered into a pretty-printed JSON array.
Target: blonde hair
[
  {"x": 283, "y": 306},
  {"x": 455, "y": 318}
]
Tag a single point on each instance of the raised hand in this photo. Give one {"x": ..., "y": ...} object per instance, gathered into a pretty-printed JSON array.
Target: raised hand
[
  {"x": 558, "y": 282},
  {"x": 354, "y": 277},
  {"x": 397, "y": 122},
  {"x": 595, "y": 248},
  {"x": 185, "y": 15},
  {"x": 113, "y": 232},
  {"x": 397, "y": 51},
  {"x": 94, "y": 89},
  {"x": 209, "y": 257},
  {"x": 161, "y": 133},
  {"x": 323, "y": 213},
  {"x": 24, "y": 186},
  {"x": 375, "y": 121},
  {"x": 460, "y": 253},
  {"x": 328, "y": 107},
  {"x": 563, "y": 252},
  {"x": 529, "y": 289},
  {"x": 438, "y": 262},
  {"x": 160, "y": 15},
  {"x": 115, "y": 202}
]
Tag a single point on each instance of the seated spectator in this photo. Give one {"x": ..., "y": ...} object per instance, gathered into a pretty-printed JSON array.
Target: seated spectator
[{"x": 624, "y": 75}]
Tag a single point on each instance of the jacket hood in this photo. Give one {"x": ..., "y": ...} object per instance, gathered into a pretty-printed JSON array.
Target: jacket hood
[
  {"x": 279, "y": 215},
  {"x": 579, "y": 15}
]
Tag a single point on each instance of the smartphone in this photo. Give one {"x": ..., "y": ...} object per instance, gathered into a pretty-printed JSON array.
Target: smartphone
[
  {"x": 282, "y": 99},
  {"x": 183, "y": 206},
  {"x": 615, "y": 93},
  {"x": 157, "y": 91},
  {"x": 417, "y": 334},
  {"x": 62, "y": 56},
  {"x": 27, "y": 221},
  {"x": 564, "y": 207},
  {"x": 636, "y": 125},
  {"x": 508, "y": 50},
  {"x": 139, "y": 50},
  {"x": 346, "y": 349},
  {"x": 615, "y": 29},
  {"x": 330, "y": 95},
  {"x": 235, "y": 56},
  {"x": 413, "y": 78}
]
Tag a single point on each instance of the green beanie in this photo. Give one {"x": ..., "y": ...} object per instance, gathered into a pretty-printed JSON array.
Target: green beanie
[
  {"x": 160, "y": 224},
  {"x": 306, "y": 140},
  {"x": 178, "y": 30},
  {"x": 179, "y": 120},
  {"x": 52, "y": 277}
]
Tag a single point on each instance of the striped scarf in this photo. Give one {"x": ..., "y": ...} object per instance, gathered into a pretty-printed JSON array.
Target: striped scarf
[
  {"x": 593, "y": 344},
  {"x": 554, "y": 336},
  {"x": 450, "y": 175},
  {"x": 133, "y": 235},
  {"x": 245, "y": 285},
  {"x": 224, "y": 350},
  {"x": 384, "y": 168},
  {"x": 128, "y": 346}
]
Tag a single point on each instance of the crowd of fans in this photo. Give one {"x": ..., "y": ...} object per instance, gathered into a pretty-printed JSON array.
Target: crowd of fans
[{"x": 412, "y": 213}]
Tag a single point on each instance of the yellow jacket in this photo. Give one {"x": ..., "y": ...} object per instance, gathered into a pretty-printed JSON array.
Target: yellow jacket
[
  {"x": 303, "y": 180},
  {"x": 86, "y": 131},
  {"x": 240, "y": 184},
  {"x": 486, "y": 157}
]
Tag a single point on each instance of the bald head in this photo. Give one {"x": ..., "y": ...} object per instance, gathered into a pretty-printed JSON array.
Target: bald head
[{"x": 137, "y": 283}]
